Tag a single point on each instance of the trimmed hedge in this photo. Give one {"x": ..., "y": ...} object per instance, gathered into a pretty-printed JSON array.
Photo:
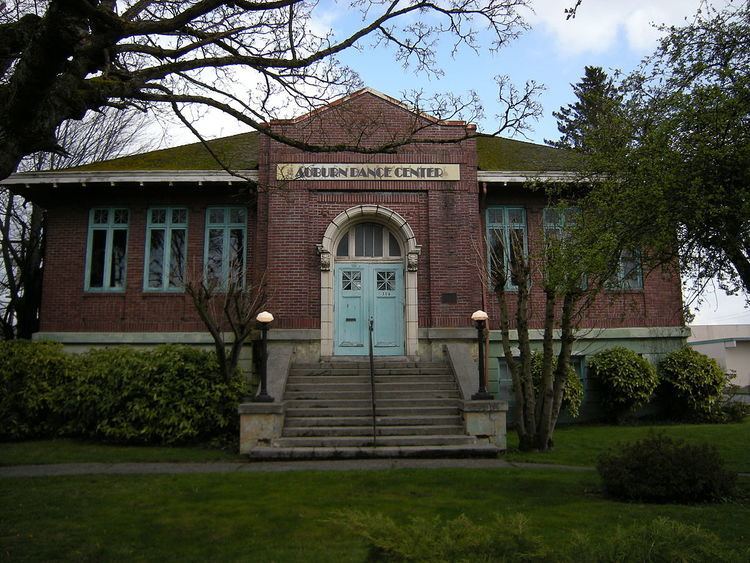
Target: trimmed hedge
[
  {"x": 662, "y": 470},
  {"x": 31, "y": 377},
  {"x": 167, "y": 395},
  {"x": 691, "y": 385},
  {"x": 625, "y": 380}
]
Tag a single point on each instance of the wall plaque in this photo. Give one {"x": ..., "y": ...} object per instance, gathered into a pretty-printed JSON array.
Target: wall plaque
[{"x": 369, "y": 172}]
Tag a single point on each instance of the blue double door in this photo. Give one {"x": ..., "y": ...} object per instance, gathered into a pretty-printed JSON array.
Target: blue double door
[{"x": 365, "y": 292}]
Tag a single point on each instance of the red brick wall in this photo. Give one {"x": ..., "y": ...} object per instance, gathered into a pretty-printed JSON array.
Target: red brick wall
[
  {"x": 291, "y": 218},
  {"x": 443, "y": 215},
  {"x": 659, "y": 303},
  {"x": 65, "y": 304}
]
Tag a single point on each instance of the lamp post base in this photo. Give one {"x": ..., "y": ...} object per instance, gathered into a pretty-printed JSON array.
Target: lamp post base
[
  {"x": 482, "y": 396},
  {"x": 262, "y": 399}
]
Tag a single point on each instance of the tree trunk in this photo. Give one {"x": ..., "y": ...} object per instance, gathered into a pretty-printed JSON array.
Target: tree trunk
[{"x": 545, "y": 408}]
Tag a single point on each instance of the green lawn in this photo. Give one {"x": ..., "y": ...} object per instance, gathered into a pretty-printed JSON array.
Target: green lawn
[
  {"x": 291, "y": 516},
  {"x": 582, "y": 444},
  {"x": 75, "y": 451}
]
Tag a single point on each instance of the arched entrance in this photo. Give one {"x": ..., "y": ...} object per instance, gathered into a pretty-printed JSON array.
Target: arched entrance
[{"x": 369, "y": 260}]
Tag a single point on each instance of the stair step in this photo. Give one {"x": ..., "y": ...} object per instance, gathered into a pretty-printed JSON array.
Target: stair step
[
  {"x": 454, "y": 451},
  {"x": 381, "y": 410},
  {"x": 343, "y": 371},
  {"x": 366, "y": 420},
  {"x": 380, "y": 395},
  {"x": 362, "y": 441},
  {"x": 365, "y": 379},
  {"x": 411, "y": 403},
  {"x": 366, "y": 431}
]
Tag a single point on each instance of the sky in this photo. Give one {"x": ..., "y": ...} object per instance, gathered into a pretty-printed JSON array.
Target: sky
[{"x": 613, "y": 34}]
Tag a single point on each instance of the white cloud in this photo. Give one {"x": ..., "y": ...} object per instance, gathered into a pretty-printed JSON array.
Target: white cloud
[{"x": 599, "y": 23}]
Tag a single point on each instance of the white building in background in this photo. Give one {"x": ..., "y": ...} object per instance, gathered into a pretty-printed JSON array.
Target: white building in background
[{"x": 729, "y": 345}]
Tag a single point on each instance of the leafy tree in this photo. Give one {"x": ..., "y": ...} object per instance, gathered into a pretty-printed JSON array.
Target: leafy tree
[
  {"x": 673, "y": 176},
  {"x": 571, "y": 268},
  {"x": 60, "y": 59}
]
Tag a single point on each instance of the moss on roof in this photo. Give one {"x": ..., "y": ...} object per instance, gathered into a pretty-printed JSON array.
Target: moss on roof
[
  {"x": 498, "y": 153},
  {"x": 238, "y": 152}
]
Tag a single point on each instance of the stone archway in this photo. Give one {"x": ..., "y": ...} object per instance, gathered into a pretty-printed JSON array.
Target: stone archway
[{"x": 400, "y": 227}]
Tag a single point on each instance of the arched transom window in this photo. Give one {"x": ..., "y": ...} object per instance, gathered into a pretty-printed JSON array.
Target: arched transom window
[{"x": 368, "y": 240}]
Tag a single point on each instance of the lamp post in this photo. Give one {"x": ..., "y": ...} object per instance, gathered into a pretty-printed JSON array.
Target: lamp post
[
  {"x": 480, "y": 320},
  {"x": 264, "y": 319}
]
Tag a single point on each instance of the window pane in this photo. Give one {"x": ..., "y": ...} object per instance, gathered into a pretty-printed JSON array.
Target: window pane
[
  {"x": 237, "y": 254},
  {"x": 117, "y": 271},
  {"x": 516, "y": 216},
  {"x": 394, "y": 249},
  {"x": 121, "y": 216},
  {"x": 343, "y": 247},
  {"x": 177, "y": 259},
  {"x": 236, "y": 215},
  {"x": 214, "y": 255},
  {"x": 359, "y": 241},
  {"x": 156, "y": 258},
  {"x": 158, "y": 216},
  {"x": 101, "y": 216},
  {"x": 552, "y": 217},
  {"x": 216, "y": 216},
  {"x": 495, "y": 215},
  {"x": 377, "y": 239},
  {"x": 179, "y": 216},
  {"x": 98, "y": 248}
]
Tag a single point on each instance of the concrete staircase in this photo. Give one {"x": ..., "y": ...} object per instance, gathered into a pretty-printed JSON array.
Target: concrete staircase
[{"x": 328, "y": 412}]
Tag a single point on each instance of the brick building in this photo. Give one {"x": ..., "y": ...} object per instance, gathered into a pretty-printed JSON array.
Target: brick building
[{"x": 338, "y": 238}]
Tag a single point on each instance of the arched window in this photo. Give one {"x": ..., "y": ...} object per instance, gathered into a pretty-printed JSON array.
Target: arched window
[{"x": 368, "y": 240}]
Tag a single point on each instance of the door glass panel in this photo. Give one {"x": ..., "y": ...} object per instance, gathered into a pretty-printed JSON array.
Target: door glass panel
[
  {"x": 351, "y": 280},
  {"x": 386, "y": 281}
]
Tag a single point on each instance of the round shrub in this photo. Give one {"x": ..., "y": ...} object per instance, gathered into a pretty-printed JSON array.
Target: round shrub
[
  {"x": 624, "y": 379},
  {"x": 661, "y": 469},
  {"x": 691, "y": 384},
  {"x": 573, "y": 392},
  {"x": 169, "y": 395},
  {"x": 32, "y": 375}
]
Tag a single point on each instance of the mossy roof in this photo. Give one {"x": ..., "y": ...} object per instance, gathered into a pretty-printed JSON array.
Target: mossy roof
[
  {"x": 240, "y": 152},
  {"x": 498, "y": 153}
]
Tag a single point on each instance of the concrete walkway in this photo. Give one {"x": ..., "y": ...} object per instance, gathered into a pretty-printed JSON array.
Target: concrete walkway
[{"x": 268, "y": 466}]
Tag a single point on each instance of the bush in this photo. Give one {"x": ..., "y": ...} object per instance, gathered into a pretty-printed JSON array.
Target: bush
[
  {"x": 660, "y": 540},
  {"x": 691, "y": 385},
  {"x": 31, "y": 377},
  {"x": 573, "y": 392},
  {"x": 625, "y": 380},
  {"x": 169, "y": 395},
  {"x": 661, "y": 469},
  {"x": 433, "y": 540}
]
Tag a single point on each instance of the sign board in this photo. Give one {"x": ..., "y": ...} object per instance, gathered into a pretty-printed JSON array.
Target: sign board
[{"x": 369, "y": 172}]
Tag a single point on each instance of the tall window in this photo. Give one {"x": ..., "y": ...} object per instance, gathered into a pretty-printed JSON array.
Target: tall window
[
  {"x": 166, "y": 241},
  {"x": 629, "y": 273},
  {"x": 368, "y": 240},
  {"x": 506, "y": 232},
  {"x": 107, "y": 249},
  {"x": 226, "y": 235}
]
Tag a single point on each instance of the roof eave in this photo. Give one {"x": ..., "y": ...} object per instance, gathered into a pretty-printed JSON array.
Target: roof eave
[{"x": 141, "y": 177}]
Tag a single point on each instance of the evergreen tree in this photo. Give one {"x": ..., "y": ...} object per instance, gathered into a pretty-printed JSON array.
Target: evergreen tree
[{"x": 597, "y": 97}]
